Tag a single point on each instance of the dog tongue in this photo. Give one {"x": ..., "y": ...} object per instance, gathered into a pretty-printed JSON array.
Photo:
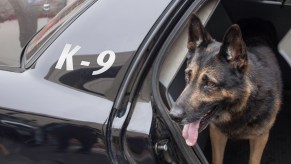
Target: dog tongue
[{"x": 190, "y": 132}]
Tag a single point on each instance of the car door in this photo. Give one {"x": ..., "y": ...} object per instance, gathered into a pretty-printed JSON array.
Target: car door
[{"x": 55, "y": 107}]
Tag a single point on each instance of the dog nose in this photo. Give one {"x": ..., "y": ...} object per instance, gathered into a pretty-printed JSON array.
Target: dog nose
[{"x": 177, "y": 114}]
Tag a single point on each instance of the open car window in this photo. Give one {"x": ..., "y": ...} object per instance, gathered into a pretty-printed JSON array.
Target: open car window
[{"x": 171, "y": 72}]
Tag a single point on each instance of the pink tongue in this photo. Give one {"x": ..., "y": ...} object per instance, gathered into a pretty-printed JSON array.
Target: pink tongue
[{"x": 190, "y": 132}]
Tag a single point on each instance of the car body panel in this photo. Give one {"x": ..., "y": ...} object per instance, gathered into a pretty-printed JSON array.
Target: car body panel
[{"x": 59, "y": 114}]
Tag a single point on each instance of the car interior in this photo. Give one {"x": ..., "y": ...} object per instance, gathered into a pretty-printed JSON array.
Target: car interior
[{"x": 217, "y": 16}]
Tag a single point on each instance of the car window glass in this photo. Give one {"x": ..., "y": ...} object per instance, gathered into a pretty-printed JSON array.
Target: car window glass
[
  {"x": 65, "y": 14},
  {"x": 19, "y": 21}
]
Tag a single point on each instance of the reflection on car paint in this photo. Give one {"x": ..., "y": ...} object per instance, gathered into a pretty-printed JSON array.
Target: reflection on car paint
[{"x": 23, "y": 134}]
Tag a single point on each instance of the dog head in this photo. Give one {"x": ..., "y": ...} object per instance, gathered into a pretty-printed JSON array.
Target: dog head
[{"x": 214, "y": 78}]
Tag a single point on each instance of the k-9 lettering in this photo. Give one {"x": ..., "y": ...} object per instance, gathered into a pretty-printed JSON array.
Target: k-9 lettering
[{"x": 67, "y": 56}]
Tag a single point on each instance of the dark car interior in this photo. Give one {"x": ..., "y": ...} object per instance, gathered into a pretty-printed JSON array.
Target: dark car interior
[{"x": 227, "y": 12}]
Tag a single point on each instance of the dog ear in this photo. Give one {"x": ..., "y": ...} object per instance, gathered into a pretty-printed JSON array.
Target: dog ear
[
  {"x": 233, "y": 48},
  {"x": 197, "y": 34}
]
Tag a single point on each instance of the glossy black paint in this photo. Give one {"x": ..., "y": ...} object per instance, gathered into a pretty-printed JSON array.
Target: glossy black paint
[{"x": 59, "y": 116}]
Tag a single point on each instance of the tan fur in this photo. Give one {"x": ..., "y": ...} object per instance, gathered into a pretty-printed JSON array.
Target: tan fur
[
  {"x": 257, "y": 146},
  {"x": 224, "y": 117},
  {"x": 218, "y": 142}
]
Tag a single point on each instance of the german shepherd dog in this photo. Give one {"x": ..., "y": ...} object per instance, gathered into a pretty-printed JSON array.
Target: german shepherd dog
[{"x": 234, "y": 88}]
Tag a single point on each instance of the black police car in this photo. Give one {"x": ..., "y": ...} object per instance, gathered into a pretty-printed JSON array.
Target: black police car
[{"x": 95, "y": 84}]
